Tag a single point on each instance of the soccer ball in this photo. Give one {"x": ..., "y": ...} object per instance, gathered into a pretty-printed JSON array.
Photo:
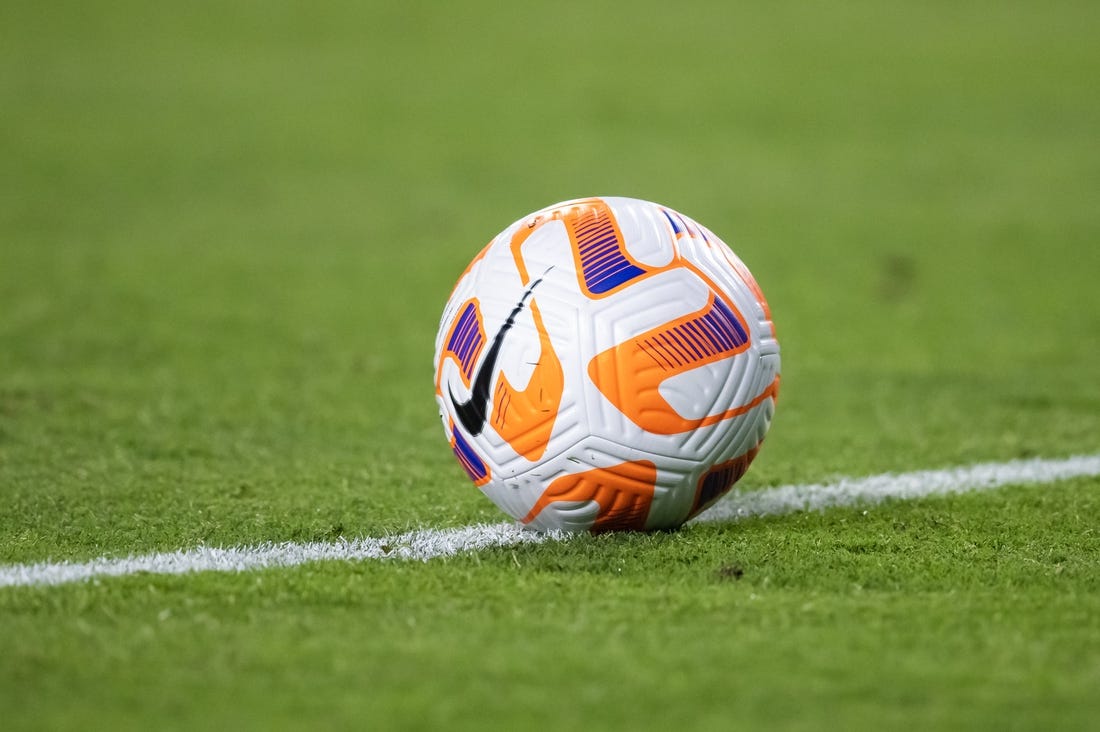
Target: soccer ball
[{"x": 606, "y": 364}]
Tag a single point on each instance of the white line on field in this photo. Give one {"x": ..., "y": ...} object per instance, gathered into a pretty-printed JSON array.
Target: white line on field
[
  {"x": 899, "y": 486},
  {"x": 425, "y": 544}
]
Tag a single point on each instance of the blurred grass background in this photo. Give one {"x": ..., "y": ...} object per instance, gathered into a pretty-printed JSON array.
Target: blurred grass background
[{"x": 227, "y": 231}]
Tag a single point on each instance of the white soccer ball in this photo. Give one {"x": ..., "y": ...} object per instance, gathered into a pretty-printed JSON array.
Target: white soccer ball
[{"x": 606, "y": 364}]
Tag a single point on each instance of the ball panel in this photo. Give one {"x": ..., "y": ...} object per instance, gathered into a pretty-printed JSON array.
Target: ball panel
[
  {"x": 718, "y": 480},
  {"x": 623, "y": 494},
  {"x": 524, "y": 418}
]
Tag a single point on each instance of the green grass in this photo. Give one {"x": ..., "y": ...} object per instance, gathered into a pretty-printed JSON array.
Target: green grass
[{"x": 226, "y": 236}]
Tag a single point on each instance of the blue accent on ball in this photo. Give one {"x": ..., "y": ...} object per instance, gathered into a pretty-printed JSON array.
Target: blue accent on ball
[
  {"x": 471, "y": 462},
  {"x": 466, "y": 339}
]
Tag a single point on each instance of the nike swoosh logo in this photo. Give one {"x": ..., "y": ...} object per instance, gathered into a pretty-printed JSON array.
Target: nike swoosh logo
[{"x": 472, "y": 413}]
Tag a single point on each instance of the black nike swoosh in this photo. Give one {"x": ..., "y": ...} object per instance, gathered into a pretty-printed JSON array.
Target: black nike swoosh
[{"x": 472, "y": 412}]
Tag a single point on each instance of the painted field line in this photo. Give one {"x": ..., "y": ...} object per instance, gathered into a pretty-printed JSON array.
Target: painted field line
[
  {"x": 898, "y": 486},
  {"x": 425, "y": 544}
]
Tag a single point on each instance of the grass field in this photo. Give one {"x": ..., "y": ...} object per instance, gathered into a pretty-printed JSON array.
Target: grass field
[{"x": 227, "y": 232}]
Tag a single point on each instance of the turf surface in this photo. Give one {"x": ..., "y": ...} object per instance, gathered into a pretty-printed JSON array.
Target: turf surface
[{"x": 226, "y": 235}]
